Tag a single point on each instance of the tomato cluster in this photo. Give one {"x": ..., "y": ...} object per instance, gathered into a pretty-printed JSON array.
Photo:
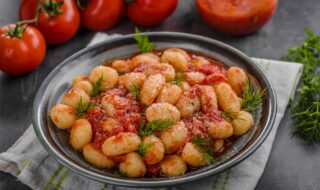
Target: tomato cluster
[{"x": 54, "y": 22}]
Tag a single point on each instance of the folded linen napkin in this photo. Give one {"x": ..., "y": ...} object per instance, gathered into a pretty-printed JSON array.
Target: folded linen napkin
[{"x": 31, "y": 164}]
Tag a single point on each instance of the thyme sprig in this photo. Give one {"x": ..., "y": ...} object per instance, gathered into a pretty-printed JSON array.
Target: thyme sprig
[
  {"x": 306, "y": 109},
  {"x": 155, "y": 126}
]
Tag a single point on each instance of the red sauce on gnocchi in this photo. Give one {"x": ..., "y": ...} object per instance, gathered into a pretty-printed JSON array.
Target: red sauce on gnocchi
[{"x": 154, "y": 114}]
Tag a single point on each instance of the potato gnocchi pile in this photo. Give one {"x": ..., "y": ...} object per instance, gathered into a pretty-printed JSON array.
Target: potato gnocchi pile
[{"x": 155, "y": 114}]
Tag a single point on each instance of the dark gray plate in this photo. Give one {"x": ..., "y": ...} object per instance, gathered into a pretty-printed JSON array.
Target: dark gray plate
[{"x": 59, "y": 82}]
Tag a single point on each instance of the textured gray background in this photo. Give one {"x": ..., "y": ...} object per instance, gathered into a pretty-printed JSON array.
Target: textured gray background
[{"x": 292, "y": 164}]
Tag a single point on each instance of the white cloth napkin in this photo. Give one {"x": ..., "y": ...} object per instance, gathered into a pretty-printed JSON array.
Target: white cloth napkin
[{"x": 31, "y": 164}]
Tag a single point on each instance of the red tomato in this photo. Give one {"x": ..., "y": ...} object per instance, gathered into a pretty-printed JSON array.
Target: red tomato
[
  {"x": 21, "y": 55},
  {"x": 236, "y": 17},
  {"x": 56, "y": 29},
  {"x": 28, "y": 9},
  {"x": 150, "y": 12},
  {"x": 101, "y": 14}
]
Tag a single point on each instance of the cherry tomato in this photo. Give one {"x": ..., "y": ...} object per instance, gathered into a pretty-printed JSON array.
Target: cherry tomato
[
  {"x": 236, "y": 17},
  {"x": 21, "y": 54},
  {"x": 56, "y": 26},
  {"x": 101, "y": 14},
  {"x": 150, "y": 12}
]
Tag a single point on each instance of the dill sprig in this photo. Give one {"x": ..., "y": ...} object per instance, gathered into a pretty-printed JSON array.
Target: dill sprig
[
  {"x": 251, "y": 98},
  {"x": 135, "y": 91},
  {"x": 143, "y": 148},
  {"x": 205, "y": 148},
  {"x": 82, "y": 107},
  {"x": 306, "y": 109},
  {"x": 96, "y": 86},
  {"x": 180, "y": 78},
  {"x": 143, "y": 42},
  {"x": 155, "y": 126}
]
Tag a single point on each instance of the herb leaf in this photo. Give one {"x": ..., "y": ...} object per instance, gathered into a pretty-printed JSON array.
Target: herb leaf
[
  {"x": 143, "y": 42},
  {"x": 118, "y": 173},
  {"x": 154, "y": 126},
  {"x": 180, "y": 78},
  {"x": 205, "y": 148},
  {"x": 251, "y": 98},
  {"x": 96, "y": 87},
  {"x": 306, "y": 109},
  {"x": 143, "y": 148},
  {"x": 135, "y": 91},
  {"x": 82, "y": 107}
]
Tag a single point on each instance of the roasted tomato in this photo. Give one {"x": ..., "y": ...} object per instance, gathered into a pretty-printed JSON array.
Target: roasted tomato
[
  {"x": 236, "y": 17},
  {"x": 58, "y": 21},
  {"x": 101, "y": 14},
  {"x": 150, "y": 12},
  {"x": 22, "y": 49}
]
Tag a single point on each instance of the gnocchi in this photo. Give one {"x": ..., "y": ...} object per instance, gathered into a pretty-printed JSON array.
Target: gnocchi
[
  {"x": 227, "y": 99},
  {"x": 156, "y": 152},
  {"x": 96, "y": 157},
  {"x": 151, "y": 88},
  {"x": 63, "y": 116},
  {"x": 164, "y": 69},
  {"x": 242, "y": 123},
  {"x": 173, "y": 166},
  {"x": 162, "y": 111},
  {"x": 81, "y": 134},
  {"x": 133, "y": 165},
  {"x": 170, "y": 94},
  {"x": 236, "y": 78},
  {"x": 167, "y": 111},
  {"x": 74, "y": 96},
  {"x": 174, "y": 137},
  {"x": 178, "y": 58},
  {"x": 122, "y": 143},
  {"x": 109, "y": 76}
]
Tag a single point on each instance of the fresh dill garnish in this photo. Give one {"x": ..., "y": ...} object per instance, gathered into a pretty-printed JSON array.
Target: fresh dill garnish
[
  {"x": 143, "y": 148},
  {"x": 96, "y": 86},
  {"x": 205, "y": 148},
  {"x": 180, "y": 78},
  {"x": 82, "y": 107},
  {"x": 143, "y": 42},
  {"x": 306, "y": 109},
  {"x": 154, "y": 126},
  {"x": 118, "y": 173},
  {"x": 135, "y": 91},
  {"x": 251, "y": 98}
]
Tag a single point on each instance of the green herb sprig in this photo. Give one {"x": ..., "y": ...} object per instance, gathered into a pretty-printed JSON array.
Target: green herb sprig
[
  {"x": 143, "y": 148},
  {"x": 96, "y": 86},
  {"x": 180, "y": 78},
  {"x": 135, "y": 91},
  {"x": 143, "y": 41},
  {"x": 118, "y": 173},
  {"x": 251, "y": 98},
  {"x": 82, "y": 107},
  {"x": 306, "y": 109},
  {"x": 205, "y": 148},
  {"x": 155, "y": 126}
]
